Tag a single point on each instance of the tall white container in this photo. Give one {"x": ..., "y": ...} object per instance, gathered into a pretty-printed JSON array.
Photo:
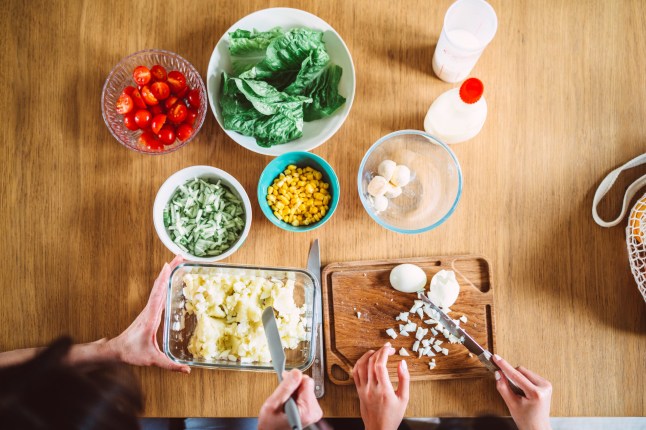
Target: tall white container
[{"x": 469, "y": 26}]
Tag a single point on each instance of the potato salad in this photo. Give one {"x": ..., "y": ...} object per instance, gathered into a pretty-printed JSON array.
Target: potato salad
[{"x": 228, "y": 309}]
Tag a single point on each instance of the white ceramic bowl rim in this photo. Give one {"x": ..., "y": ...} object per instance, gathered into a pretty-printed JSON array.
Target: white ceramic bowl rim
[
  {"x": 366, "y": 203},
  {"x": 277, "y": 150},
  {"x": 167, "y": 190}
]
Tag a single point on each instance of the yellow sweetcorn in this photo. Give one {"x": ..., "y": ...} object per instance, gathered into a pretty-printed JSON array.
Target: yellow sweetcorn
[{"x": 299, "y": 196}]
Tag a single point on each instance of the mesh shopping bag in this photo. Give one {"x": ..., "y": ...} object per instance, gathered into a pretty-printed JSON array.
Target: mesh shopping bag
[{"x": 636, "y": 226}]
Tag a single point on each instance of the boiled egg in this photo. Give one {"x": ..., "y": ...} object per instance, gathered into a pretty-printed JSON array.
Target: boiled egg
[
  {"x": 408, "y": 278},
  {"x": 444, "y": 289}
]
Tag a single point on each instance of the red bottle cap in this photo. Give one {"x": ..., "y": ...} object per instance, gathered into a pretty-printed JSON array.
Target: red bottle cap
[{"x": 471, "y": 90}]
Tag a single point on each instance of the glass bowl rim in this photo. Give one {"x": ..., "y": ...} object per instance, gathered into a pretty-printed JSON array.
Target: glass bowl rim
[
  {"x": 190, "y": 66},
  {"x": 366, "y": 204}
]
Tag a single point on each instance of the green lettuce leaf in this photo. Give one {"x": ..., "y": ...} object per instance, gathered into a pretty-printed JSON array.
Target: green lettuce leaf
[
  {"x": 324, "y": 92},
  {"x": 247, "y": 48},
  {"x": 282, "y": 122},
  {"x": 244, "y": 42},
  {"x": 285, "y": 55}
]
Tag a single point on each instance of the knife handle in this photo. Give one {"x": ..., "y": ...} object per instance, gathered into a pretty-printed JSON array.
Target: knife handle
[
  {"x": 293, "y": 417},
  {"x": 318, "y": 368}
]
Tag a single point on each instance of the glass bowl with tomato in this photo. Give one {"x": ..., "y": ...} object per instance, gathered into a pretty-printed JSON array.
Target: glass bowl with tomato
[{"x": 154, "y": 101}]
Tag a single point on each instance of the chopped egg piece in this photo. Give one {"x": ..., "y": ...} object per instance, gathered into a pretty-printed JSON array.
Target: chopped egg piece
[
  {"x": 403, "y": 352},
  {"x": 401, "y": 176},
  {"x": 386, "y": 169},
  {"x": 377, "y": 186},
  {"x": 392, "y": 191},
  {"x": 390, "y": 332}
]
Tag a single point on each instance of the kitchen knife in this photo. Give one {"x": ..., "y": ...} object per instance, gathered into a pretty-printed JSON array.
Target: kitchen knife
[
  {"x": 318, "y": 368},
  {"x": 278, "y": 361},
  {"x": 474, "y": 347}
]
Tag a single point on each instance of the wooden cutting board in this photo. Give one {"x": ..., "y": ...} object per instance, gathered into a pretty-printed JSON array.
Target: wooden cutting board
[{"x": 364, "y": 287}]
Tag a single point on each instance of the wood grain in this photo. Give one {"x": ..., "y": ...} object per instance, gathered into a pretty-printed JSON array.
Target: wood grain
[
  {"x": 364, "y": 287},
  {"x": 566, "y": 91}
]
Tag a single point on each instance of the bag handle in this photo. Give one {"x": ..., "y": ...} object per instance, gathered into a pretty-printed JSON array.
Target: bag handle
[{"x": 609, "y": 181}]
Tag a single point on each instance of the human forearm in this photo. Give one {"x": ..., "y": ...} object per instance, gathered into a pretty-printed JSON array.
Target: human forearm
[{"x": 99, "y": 350}]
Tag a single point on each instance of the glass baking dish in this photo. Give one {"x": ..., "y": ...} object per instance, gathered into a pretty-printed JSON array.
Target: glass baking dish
[{"x": 179, "y": 326}]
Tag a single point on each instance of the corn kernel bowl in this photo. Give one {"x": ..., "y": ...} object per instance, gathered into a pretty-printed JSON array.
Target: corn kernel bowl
[{"x": 304, "y": 197}]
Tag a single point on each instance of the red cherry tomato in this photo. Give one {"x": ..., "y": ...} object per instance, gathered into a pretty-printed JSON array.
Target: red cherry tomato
[
  {"x": 159, "y": 73},
  {"x": 141, "y": 75},
  {"x": 148, "y": 96},
  {"x": 170, "y": 102},
  {"x": 176, "y": 81},
  {"x": 125, "y": 104},
  {"x": 158, "y": 123},
  {"x": 143, "y": 118},
  {"x": 129, "y": 122},
  {"x": 149, "y": 140},
  {"x": 160, "y": 90},
  {"x": 191, "y": 117},
  {"x": 156, "y": 110},
  {"x": 183, "y": 92},
  {"x": 166, "y": 135},
  {"x": 194, "y": 98},
  {"x": 137, "y": 99},
  {"x": 128, "y": 90},
  {"x": 184, "y": 132},
  {"x": 178, "y": 113}
]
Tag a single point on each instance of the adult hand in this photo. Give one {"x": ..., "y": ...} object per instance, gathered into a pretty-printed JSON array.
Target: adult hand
[
  {"x": 382, "y": 408},
  {"x": 138, "y": 345},
  {"x": 533, "y": 411},
  {"x": 301, "y": 388}
]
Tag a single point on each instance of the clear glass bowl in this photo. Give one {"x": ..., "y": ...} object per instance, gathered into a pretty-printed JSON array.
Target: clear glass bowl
[
  {"x": 176, "y": 339},
  {"x": 121, "y": 76},
  {"x": 435, "y": 187}
]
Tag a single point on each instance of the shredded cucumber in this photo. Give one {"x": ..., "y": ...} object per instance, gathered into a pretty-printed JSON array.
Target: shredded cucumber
[{"x": 204, "y": 219}]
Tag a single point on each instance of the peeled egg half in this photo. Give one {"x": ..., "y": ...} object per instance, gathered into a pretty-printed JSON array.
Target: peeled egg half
[
  {"x": 407, "y": 278},
  {"x": 444, "y": 289}
]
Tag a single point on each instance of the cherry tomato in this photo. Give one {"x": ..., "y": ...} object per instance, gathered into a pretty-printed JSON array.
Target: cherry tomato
[
  {"x": 148, "y": 96},
  {"x": 128, "y": 90},
  {"x": 137, "y": 99},
  {"x": 143, "y": 118},
  {"x": 125, "y": 104},
  {"x": 166, "y": 135},
  {"x": 176, "y": 81},
  {"x": 178, "y": 113},
  {"x": 191, "y": 117},
  {"x": 160, "y": 90},
  {"x": 170, "y": 102},
  {"x": 158, "y": 123},
  {"x": 129, "y": 122},
  {"x": 159, "y": 73},
  {"x": 194, "y": 98},
  {"x": 184, "y": 132},
  {"x": 156, "y": 110},
  {"x": 141, "y": 75},
  {"x": 149, "y": 140},
  {"x": 183, "y": 92}
]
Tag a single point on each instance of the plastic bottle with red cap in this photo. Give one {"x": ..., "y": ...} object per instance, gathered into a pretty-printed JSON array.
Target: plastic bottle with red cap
[{"x": 458, "y": 114}]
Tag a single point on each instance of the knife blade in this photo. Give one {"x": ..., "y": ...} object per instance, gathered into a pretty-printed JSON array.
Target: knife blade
[
  {"x": 278, "y": 361},
  {"x": 318, "y": 368},
  {"x": 474, "y": 347}
]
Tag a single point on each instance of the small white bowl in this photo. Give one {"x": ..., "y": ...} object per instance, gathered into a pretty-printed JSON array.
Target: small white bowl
[
  {"x": 169, "y": 187},
  {"x": 315, "y": 133}
]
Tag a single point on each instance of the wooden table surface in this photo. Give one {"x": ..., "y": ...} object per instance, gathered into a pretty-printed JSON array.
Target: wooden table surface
[{"x": 566, "y": 93}]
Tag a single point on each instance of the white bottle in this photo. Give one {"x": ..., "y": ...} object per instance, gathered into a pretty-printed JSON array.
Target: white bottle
[{"x": 458, "y": 114}]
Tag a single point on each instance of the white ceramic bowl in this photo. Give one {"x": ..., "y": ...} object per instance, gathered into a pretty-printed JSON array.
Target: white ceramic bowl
[
  {"x": 315, "y": 133},
  {"x": 169, "y": 187}
]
